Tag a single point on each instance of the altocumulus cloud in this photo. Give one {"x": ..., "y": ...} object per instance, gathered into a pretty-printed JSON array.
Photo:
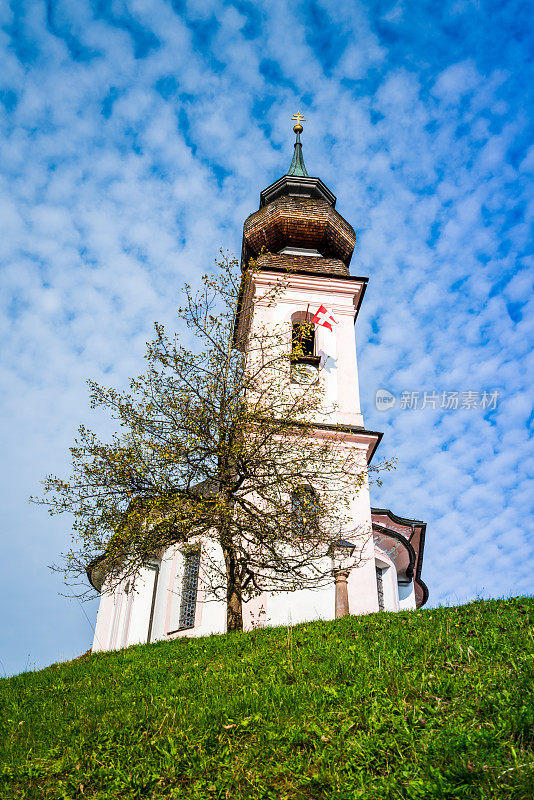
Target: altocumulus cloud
[{"x": 135, "y": 137}]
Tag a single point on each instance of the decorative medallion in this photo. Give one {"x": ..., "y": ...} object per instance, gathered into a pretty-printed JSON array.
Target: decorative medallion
[{"x": 305, "y": 374}]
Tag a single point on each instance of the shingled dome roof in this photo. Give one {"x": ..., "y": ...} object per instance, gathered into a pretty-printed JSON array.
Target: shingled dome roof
[{"x": 297, "y": 216}]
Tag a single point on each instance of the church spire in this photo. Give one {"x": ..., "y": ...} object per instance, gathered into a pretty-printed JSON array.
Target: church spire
[{"x": 297, "y": 165}]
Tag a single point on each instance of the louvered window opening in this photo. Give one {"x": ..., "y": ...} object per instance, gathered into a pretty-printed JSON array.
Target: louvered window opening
[
  {"x": 189, "y": 591},
  {"x": 380, "y": 588}
]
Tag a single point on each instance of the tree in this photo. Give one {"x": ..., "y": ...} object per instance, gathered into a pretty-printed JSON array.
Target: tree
[{"x": 215, "y": 445}]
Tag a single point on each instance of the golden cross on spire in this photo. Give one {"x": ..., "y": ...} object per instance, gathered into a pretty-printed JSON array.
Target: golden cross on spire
[{"x": 299, "y": 118}]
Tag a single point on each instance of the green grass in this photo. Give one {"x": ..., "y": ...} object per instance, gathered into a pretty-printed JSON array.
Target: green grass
[{"x": 427, "y": 704}]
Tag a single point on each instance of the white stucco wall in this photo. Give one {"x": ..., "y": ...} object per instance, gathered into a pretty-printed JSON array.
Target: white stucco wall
[
  {"x": 339, "y": 369},
  {"x": 407, "y": 597},
  {"x": 123, "y": 618},
  {"x": 140, "y": 601}
]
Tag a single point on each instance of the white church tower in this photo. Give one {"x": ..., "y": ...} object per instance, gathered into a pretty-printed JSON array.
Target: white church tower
[{"x": 296, "y": 232}]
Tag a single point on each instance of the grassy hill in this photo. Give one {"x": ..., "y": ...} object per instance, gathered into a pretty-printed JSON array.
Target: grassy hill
[{"x": 429, "y": 704}]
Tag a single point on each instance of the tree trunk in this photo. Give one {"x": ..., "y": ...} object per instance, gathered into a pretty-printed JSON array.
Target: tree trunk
[{"x": 234, "y": 603}]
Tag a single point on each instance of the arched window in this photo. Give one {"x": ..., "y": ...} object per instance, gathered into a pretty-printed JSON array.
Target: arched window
[
  {"x": 380, "y": 586},
  {"x": 189, "y": 589},
  {"x": 302, "y": 340},
  {"x": 304, "y": 361},
  {"x": 304, "y": 512}
]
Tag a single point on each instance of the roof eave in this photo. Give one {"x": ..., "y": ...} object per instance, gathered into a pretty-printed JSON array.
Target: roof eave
[{"x": 299, "y": 186}]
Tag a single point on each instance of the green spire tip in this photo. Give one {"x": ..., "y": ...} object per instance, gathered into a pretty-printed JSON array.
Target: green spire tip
[{"x": 297, "y": 165}]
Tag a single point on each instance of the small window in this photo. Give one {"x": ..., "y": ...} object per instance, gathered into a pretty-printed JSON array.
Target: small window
[
  {"x": 305, "y": 364},
  {"x": 303, "y": 340},
  {"x": 380, "y": 587},
  {"x": 304, "y": 512},
  {"x": 189, "y": 590}
]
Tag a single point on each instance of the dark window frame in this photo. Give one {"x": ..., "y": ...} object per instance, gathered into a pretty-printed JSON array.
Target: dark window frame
[
  {"x": 304, "y": 511},
  {"x": 380, "y": 587},
  {"x": 304, "y": 333},
  {"x": 188, "y": 602}
]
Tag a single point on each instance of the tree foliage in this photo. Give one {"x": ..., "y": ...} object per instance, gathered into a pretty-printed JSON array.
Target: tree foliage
[{"x": 214, "y": 445}]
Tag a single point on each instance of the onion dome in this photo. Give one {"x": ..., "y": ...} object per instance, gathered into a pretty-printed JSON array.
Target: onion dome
[{"x": 297, "y": 225}]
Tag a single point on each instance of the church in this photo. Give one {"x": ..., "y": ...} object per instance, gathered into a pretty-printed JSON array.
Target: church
[{"x": 298, "y": 232}]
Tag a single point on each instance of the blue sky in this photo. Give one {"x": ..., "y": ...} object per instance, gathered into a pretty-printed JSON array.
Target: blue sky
[{"x": 135, "y": 138}]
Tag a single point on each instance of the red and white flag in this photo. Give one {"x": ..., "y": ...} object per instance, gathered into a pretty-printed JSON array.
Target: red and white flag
[{"x": 323, "y": 316}]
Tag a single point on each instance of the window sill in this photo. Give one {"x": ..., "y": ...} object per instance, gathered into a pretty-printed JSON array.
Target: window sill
[
  {"x": 179, "y": 630},
  {"x": 314, "y": 360}
]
